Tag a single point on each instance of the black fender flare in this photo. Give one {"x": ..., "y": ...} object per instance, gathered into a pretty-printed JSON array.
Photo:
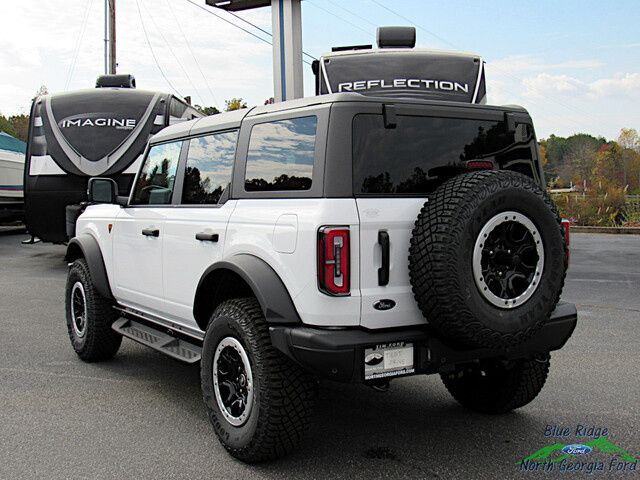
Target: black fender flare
[
  {"x": 260, "y": 277},
  {"x": 87, "y": 246}
]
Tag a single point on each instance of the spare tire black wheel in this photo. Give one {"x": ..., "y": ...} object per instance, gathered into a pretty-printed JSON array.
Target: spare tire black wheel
[{"x": 487, "y": 258}]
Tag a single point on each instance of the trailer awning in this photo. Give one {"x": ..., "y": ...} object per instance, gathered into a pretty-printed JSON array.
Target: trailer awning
[{"x": 12, "y": 144}]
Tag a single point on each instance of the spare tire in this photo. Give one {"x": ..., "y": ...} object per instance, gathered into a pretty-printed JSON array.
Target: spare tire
[{"x": 487, "y": 258}]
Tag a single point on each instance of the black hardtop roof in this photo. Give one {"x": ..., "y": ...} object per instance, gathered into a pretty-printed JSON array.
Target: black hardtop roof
[{"x": 233, "y": 119}]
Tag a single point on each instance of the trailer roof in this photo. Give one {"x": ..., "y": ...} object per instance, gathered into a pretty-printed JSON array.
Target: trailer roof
[{"x": 431, "y": 51}]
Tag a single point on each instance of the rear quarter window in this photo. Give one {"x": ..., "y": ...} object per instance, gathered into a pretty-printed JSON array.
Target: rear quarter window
[{"x": 281, "y": 155}]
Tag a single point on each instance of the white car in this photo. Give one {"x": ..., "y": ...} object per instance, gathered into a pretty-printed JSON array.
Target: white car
[{"x": 345, "y": 237}]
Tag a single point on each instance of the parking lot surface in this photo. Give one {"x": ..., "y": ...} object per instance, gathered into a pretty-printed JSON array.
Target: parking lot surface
[{"x": 141, "y": 415}]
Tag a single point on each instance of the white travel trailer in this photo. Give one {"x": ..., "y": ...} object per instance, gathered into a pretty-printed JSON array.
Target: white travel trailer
[{"x": 11, "y": 175}]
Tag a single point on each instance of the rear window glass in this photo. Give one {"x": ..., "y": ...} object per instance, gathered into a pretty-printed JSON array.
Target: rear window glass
[
  {"x": 411, "y": 158},
  {"x": 281, "y": 154}
]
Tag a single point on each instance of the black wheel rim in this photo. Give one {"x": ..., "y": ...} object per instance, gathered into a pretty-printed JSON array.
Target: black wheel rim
[
  {"x": 508, "y": 259},
  {"x": 78, "y": 310},
  {"x": 233, "y": 381}
]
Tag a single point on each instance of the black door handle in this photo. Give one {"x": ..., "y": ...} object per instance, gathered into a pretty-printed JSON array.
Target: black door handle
[
  {"x": 383, "y": 271},
  {"x": 207, "y": 237},
  {"x": 151, "y": 232}
]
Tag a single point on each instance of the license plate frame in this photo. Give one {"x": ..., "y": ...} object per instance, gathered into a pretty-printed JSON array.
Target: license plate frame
[{"x": 387, "y": 360}]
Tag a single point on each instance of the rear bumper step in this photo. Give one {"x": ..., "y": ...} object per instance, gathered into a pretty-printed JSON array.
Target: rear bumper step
[
  {"x": 339, "y": 354},
  {"x": 176, "y": 348}
]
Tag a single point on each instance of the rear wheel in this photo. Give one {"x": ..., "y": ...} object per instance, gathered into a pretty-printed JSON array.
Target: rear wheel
[
  {"x": 258, "y": 400},
  {"x": 89, "y": 316},
  {"x": 495, "y": 386}
]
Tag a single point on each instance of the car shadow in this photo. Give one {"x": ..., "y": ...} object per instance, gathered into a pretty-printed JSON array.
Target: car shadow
[{"x": 415, "y": 429}]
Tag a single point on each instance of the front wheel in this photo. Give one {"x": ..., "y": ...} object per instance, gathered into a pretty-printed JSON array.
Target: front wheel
[
  {"x": 259, "y": 402},
  {"x": 497, "y": 386},
  {"x": 89, "y": 316}
]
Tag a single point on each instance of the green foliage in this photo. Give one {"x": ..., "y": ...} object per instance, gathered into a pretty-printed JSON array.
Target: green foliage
[
  {"x": 234, "y": 104},
  {"x": 207, "y": 110},
  {"x": 606, "y": 207},
  {"x": 16, "y": 126},
  {"x": 583, "y": 160},
  {"x": 631, "y": 212}
]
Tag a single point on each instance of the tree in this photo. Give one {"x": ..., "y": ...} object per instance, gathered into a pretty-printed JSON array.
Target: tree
[
  {"x": 630, "y": 144},
  {"x": 609, "y": 169},
  {"x": 43, "y": 90},
  {"x": 234, "y": 104},
  {"x": 629, "y": 139},
  {"x": 207, "y": 110},
  {"x": 542, "y": 151},
  {"x": 16, "y": 126}
]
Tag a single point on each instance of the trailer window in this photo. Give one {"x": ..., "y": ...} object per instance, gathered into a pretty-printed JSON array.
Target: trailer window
[
  {"x": 208, "y": 168},
  {"x": 157, "y": 176},
  {"x": 281, "y": 155}
]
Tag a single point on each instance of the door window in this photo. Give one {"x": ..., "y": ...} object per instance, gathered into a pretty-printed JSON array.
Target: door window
[
  {"x": 157, "y": 177},
  {"x": 208, "y": 168}
]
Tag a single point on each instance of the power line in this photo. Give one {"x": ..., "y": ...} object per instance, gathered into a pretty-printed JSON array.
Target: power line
[
  {"x": 352, "y": 13},
  {"x": 262, "y": 30},
  {"x": 514, "y": 77},
  {"x": 155, "y": 59},
  {"x": 235, "y": 25},
  {"x": 435, "y": 35},
  {"x": 74, "y": 59},
  {"x": 204, "y": 77},
  {"x": 340, "y": 18},
  {"x": 186, "y": 74}
]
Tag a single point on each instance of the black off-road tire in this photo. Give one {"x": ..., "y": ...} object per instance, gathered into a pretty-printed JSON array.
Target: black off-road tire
[
  {"x": 441, "y": 251},
  {"x": 284, "y": 394},
  {"x": 99, "y": 342},
  {"x": 497, "y": 386}
]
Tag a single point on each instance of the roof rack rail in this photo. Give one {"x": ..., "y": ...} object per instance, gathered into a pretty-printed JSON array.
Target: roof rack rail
[{"x": 351, "y": 47}]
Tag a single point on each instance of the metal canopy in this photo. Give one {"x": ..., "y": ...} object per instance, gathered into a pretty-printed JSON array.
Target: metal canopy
[
  {"x": 287, "y": 42},
  {"x": 238, "y": 5}
]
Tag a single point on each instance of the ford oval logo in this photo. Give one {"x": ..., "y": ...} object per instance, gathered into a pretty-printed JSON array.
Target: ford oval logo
[
  {"x": 384, "y": 304},
  {"x": 374, "y": 358},
  {"x": 577, "y": 449}
]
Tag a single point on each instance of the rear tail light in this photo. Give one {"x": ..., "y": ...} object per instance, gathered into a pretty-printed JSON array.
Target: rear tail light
[
  {"x": 334, "y": 262},
  {"x": 566, "y": 224}
]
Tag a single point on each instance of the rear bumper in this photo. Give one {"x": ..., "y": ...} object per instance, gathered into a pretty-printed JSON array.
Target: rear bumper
[{"x": 339, "y": 354}]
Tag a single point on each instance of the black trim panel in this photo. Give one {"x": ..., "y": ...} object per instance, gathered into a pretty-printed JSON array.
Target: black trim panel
[
  {"x": 339, "y": 354},
  {"x": 266, "y": 285},
  {"x": 91, "y": 252}
]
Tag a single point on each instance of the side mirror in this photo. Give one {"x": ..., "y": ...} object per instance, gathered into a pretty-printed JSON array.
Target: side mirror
[{"x": 102, "y": 190}]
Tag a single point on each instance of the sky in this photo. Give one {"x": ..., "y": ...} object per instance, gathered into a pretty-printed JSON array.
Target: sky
[{"x": 574, "y": 64}]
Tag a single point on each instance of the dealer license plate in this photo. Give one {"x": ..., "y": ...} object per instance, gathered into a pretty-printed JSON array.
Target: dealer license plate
[{"x": 388, "y": 360}]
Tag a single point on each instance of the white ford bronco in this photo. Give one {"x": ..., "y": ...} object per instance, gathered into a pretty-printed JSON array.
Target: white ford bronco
[{"x": 343, "y": 237}]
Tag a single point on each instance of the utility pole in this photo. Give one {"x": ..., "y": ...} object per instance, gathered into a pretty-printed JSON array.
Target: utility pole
[
  {"x": 106, "y": 36},
  {"x": 112, "y": 36}
]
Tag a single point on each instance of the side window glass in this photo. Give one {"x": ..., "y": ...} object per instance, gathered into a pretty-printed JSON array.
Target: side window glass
[
  {"x": 281, "y": 154},
  {"x": 157, "y": 176},
  {"x": 208, "y": 168}
]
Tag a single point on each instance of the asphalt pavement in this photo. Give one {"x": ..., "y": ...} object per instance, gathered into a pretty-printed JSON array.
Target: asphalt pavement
[{"x": 141, "y": 415}]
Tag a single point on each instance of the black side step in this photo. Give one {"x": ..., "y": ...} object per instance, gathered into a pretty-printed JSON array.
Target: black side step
[{"x": 174, "y": 347}]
